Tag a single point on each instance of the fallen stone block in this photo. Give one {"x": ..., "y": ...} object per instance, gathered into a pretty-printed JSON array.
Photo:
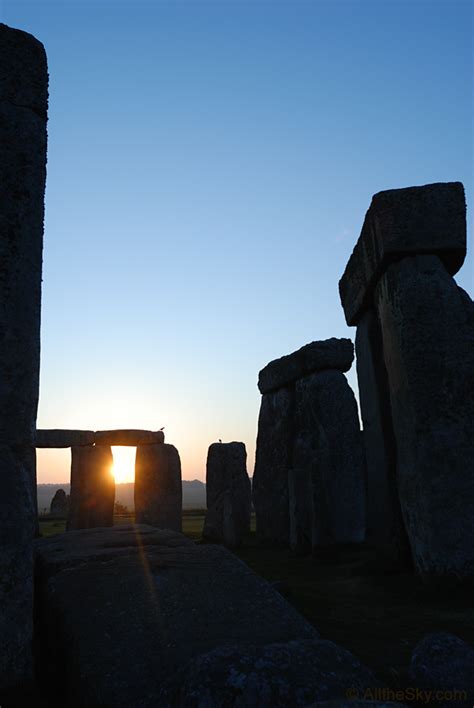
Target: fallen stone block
[
  {"x": 316, "y": 356},
  {"x": 293, "y": 673},
  {"x": 64, "y": 438},
  {"x": 158, "y": 490},
  {"x": 122, "y": 610},
  {"x": 129, "y": 438},
  {"x": 443, "y": 663},
  {"x": 399, "y": 222},
  {"x": 228, "y": 494}
]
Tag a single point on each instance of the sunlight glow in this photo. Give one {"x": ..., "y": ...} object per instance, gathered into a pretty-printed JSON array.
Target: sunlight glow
[{"x": 124, "y": 464}]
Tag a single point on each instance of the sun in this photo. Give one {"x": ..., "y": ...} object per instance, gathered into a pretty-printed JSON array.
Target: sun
[{"x": 123, "y": 468}]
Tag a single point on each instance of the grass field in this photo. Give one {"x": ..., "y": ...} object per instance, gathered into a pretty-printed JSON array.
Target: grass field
[{"x": 380, "y": 618}]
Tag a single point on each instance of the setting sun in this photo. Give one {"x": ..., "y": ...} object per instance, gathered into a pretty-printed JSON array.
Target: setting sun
[{"x": 123, "y": 468}]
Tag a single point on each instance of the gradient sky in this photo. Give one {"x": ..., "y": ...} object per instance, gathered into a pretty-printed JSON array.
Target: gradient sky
[{"x": 209, "y": 168}]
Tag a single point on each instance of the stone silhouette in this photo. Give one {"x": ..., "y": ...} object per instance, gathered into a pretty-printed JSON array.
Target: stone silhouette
[
  {"x": 419, "y": 421},
  {"x": 23, "y": 115},
  {"x": 92, "y": 488},
  {"x": 228, "y": 494},
  {"x": 158, "y": 490},
  {"x": 59, "y": 504},
  {"x": 308, "y": 485}
]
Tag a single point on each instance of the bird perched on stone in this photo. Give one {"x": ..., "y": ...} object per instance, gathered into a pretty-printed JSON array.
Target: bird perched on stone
[
  {"x": 162, "y": 428},
  {"x": 220, "y": 440}
]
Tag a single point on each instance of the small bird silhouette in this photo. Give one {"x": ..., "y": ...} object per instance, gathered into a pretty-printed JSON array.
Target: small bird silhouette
[
  {"x": 162, "y": 428},
  {"x": 220, "y": 440}
]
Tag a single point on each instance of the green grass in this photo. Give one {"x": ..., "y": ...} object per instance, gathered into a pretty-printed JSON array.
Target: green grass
[{"x": 379, "y": 618}]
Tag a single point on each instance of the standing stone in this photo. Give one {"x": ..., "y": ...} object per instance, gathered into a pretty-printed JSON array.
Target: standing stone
[
  {"x": 158, "y": 488},
  {"x": 326, "y": 410},
  {"x": 272, "y": 462},
  {"x": 300, "y": 491},
  {"x": 427, "y": 327},
  {"x": 92, "y": 488},
  {"x": 228, "y": 494},
  {"x": 23, "y": 114},
  {"x": 385, "y": 527},
  {"x": 59, "y": 504}
]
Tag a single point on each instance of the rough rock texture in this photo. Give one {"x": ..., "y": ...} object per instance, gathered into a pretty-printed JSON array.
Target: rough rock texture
[
  {"x": 293, "y": 673},
  {"x": 91, "y": 503},
  {"x": 416, "y": 220},
  {"x": 385, "y": 528},
  {"x": 59, "y": 504},
  {"x": 23, "y": 108},
  {"x": 300, "y": 492},
  {"x": 272, "y": 462},
  {"x": 443, "y": 663},
  {"x": 158, "y": 490},
  {"x": 427, "y": 327},
  {"x": 228, "y": 494},
  {"x": 129, "y": 438},
  {"x": 317, "y": 356},
  {"x": 64, "y": 438},
  {"x": 326, "y": 409},
  {"x": 140, "y": 603}
]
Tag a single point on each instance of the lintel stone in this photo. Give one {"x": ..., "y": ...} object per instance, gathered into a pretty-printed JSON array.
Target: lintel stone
[
  {"x": 129, "y": 438},
  {"x": 64, "y": 438},
  {"x": 317, "y": 356},
  {"x": 430, "y": 219}
]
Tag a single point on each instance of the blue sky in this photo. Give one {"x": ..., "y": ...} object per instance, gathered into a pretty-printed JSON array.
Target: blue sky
[{"x": 209, "y": 168}]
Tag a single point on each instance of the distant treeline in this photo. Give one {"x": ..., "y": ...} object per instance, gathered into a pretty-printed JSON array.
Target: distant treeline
[{"x": 194, "y": 494}]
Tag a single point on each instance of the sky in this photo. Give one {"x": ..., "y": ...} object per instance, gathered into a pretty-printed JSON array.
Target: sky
[{"x": 209, "y": 168}]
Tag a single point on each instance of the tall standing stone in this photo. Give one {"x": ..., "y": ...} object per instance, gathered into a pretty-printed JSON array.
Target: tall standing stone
[
  {"x": 228, "y": 494},
  {"x": 92, "y": 499},
  {"x": 428, "y": 334},
  {"x": 308, "y": 484},
  {"x": 416, "y": 349},
  {"x": 23, "y": 115},
  {"x": 158, "y": 488}
]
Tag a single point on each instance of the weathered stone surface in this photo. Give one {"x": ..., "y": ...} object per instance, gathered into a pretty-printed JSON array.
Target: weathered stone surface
[
  {"x": 316, "y": 356},
  {"x": 417, "y": 220},
  {"x": 64, "y": 438},
  {"x": 59, "y": 504},
  {"x": 286, "y": 674},
  {"x": 91, "y": 503},
  {"x": 443, "y": 663},
  {"x": 228, "y": 494},
  {"x": 151, "y": 595},
  {"x": 326, "y": 411},
  {"x": 428, "y": 341},
  {"x": 129, "y": 438},
  {"x": 23, "y": 106},
  {"x": 272, "y": 462},
  {"x": 385, "y": 528},
  {"x": 158, "y": 490},
  {"x": 300, "y": 493}
]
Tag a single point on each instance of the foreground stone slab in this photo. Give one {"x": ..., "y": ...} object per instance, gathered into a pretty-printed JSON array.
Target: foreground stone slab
[
  {"x": 228, "y": 494},
  {"x": 63, "y": 438},
  {"x": 106, "y": 596},
  {"x": 23, "y": 114},
  {"x": 92, "y": 498},
  {"x": 158, "y": 490},
  {"x": 129, "y": 438},
  {"x": 427, "y": 325},
  {"x": 399, "y": 222},
  {"x": 293, "y": 673},
  {"x": 317, "y": 356}
]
